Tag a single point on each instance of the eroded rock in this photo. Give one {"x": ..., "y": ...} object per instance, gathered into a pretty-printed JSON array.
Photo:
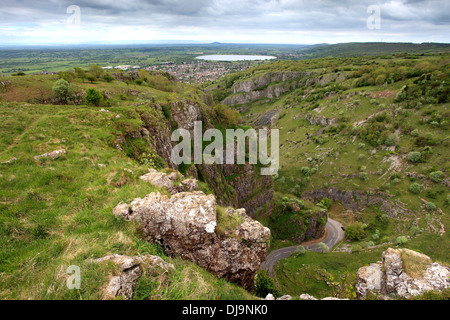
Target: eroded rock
[{"x": 168, "y": 181}]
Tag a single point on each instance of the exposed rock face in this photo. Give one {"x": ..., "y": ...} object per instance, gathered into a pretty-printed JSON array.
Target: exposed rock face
[
  {"x": 130, "y": 270},
  {"x": 267, "y": 119},
  {"x": 234, "y": 185},
  {"x": 356, "y": 200},
  {"x": 390, "y": 277},
  {"x": 239, "y": 186},
  {"x": 186, "y": 223},
  {"x": 167, "y": 181},
  {"x": 264, "y": 80}
]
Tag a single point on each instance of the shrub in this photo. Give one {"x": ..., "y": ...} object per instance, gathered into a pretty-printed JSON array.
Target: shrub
[
  {"x": 300, "y": 250},
  {"x": 355, "y": 231},
  {"x": 414, "y": 156},
  {"x": 415, "y": 188},
  {"x": 355, "y": 248},
  {"x": 108, "y": 78},
  {"x": 414, "y": 231},
  {"x": 323, "y": 247},
  {"x": 415, "y": 133},
  {"x": 436, "y": 176},
  {"x": 306, "y": 171},
  {"x": 430, "y": 206},
  {"x": 401, "y": 240},
  {"x": 93, "y": 96},
  {"x": 62, "y": 90}
]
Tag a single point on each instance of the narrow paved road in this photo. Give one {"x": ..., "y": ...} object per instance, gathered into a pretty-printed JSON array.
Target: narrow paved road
[{"x": 335, "y": 234}]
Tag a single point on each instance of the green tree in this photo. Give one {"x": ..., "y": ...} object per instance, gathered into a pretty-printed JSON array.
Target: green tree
[
  {"x": 355, "y": 231},
  {"x": 93, "y": 97},
  {"x": 107, "y": 77},
  {"x": 63, "y": 91},
  {"x": 80, "y": 73}
]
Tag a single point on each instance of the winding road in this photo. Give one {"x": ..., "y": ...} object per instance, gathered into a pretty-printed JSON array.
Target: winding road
[{"x": 335, "y": 234}]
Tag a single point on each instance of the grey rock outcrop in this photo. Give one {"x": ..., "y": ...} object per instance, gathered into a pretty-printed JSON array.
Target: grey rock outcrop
[
  {"x": 167, "y": 181},
  {"x": 130, "y": 269},
  {"x": 185, "y": 225},
  {"x": 403, "y": 273}
]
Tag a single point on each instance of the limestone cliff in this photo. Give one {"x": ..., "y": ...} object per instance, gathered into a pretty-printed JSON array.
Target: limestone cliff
[
  {"x": 185, "y": 225},
  {"x": 240, "y": 186}
]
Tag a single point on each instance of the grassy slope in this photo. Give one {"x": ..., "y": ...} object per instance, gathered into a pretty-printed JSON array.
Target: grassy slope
[
  {"x": 343, "y": 151},
  {"x": 57, "y": 213}
]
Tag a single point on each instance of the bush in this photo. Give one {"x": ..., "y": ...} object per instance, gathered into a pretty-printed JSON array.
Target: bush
[
  {"x": 108, "y": 78},
  {"x": 415, "y": 188},
  {"x": 430, "y": 206},
  {"x": 415, "y": 156},
  {"x": 355, "y": 232},
  {"x": 401, "y": 240},
  {"x": 300, "y": 250},
  {"x": 323, "y": 247},
  {"x": 355, "y": 248},
  {"x": 264, "y": 285},
  {"x": 415, "y": 133},
  {"x": 436, "y": 176},
  {"x": 93, "y": 96}
]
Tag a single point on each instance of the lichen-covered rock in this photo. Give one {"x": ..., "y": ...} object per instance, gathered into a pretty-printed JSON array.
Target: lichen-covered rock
[
  {"x": 167, "y": 181},
  {"x": 404, "y": 273},
  {"x": 129, "y": 271},
  {"x": 185, "y": 225},
  {"x": 369, "y": 280}
]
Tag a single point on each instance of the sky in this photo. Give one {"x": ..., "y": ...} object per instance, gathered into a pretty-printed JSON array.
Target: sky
[{"x": 34, "y": 22}]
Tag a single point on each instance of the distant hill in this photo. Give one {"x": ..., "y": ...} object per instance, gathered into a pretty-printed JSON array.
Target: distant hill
[{"x": 372, "y": 48}]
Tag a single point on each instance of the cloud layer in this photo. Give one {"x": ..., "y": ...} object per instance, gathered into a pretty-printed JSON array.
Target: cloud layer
[{"x": 269, "y": 21}]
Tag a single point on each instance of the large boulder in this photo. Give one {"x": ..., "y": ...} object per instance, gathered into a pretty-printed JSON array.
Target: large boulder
[
  {"x": 403, "y": 273},
  {"x": 185, "y": 225}
]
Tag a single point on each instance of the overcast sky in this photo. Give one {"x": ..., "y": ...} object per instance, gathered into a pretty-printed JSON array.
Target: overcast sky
[{"x": 259, "y": 21}]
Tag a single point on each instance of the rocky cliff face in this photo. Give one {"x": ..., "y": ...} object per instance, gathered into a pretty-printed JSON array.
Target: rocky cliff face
[
  {"x": 185, "y": 225},
  {"x": 403, "y": 273},
  {"x": 240, "y": 186}
]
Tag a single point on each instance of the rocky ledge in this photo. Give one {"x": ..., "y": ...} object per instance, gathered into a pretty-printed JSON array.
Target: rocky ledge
[
  {"x": 403, "y": 273},
  {"x": 185, "y": 224}
]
